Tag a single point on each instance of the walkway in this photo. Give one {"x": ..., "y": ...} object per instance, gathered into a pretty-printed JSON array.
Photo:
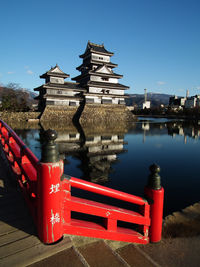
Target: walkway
[{"x": 19, "y": 245}]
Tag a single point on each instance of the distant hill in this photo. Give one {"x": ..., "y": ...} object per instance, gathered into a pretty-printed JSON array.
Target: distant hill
[{"x": 155, "y": 98}]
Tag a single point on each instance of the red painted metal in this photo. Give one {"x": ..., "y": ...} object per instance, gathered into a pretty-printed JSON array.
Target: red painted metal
[
  {"x": 52, "y": 205},
  {"x": 91, "y": 229},
  {"x": 110, "y": 215},
  {"x": 23, "y": 163},
  {"x": 156, "y": 212},
  {"x": 81, "y": 184},
  {"x": 49, "y": 212}
]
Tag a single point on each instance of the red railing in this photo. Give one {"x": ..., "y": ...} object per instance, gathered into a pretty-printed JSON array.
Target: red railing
[
  {"x": 23, "y": 163},
  {"x": 56, "y": 211},
  {"x": 110, "y": 216}
]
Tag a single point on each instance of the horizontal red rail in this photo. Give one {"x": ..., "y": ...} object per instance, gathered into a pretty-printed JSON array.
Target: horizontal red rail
[
  {"x": 102, "y": 190},
  {"x": 107, "y": 211}
]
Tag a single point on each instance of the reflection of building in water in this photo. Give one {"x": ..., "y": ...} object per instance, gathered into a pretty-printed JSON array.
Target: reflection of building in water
[
  {"x": 145, "y": 126},
  {"x": 96, "y": 152},
  {"x": 173, "y": 128},
  {"x": 100, "y": 152},
  {"x": 184, "y": 129},
  {"x": 68, "y": 142}
]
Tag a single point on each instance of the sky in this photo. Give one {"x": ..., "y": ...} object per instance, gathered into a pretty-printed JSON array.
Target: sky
[{"x": 156, "y": 43}]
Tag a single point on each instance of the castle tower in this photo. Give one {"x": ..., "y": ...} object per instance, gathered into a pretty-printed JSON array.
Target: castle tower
[
  {"x": 97, "y": 77},
  {"x": 57, "y": 92}
]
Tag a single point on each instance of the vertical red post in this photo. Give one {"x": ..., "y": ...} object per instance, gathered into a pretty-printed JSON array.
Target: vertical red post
[
  {"x": 50, "y": 170},
  {"x": 155, "y": 195}
]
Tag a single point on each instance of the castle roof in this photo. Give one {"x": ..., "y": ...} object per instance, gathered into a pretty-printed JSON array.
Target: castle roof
[
  {"x": 95, "y": 62},
  {"x": 96, "y": 48},
  {"x": 56, "y": 72},
  {"x": 67, "y": 85},
  {"x": 108, "y": 85},
  {"x": 88, "y": 74}
]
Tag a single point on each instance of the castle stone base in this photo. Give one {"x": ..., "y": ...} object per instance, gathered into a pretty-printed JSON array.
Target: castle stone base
[
  {"x": 105, "y": 114},
  {"x": 58, "y": 113}
]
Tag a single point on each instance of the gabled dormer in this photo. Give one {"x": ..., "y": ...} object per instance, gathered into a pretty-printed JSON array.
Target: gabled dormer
[
  {"x": 103, "y": 69},
  {"x": 54, "y": 75}
]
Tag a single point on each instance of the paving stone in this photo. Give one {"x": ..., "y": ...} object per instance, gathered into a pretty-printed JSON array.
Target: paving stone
[
  {"x": 175, "y": 252},
  {"x": 134, "y": 256},
  {"x": 99, "y": 254},
  {"x": 67, "y": 257}
]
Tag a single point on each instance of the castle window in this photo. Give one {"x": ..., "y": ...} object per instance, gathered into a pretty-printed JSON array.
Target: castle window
[
  {"x": 105, "y": 79},
  {"x": 60, "y": 92},
  {"x": 122, "y": 102},
  {"x": 72, "y": 103},
  {"x": 106, "y": 101},
  {"x": 72, "y": 135},
  {"x": 89, "y": 100}
]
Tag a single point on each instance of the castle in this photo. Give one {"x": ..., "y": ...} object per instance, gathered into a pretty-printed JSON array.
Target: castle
[{"x": 96, "y": 86}]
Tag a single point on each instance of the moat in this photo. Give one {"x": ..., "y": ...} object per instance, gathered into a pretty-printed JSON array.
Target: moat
[{"x": 118, "y": 156}]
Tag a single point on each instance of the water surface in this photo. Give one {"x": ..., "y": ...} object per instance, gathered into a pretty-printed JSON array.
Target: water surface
[{"x": 118, "y": 156}]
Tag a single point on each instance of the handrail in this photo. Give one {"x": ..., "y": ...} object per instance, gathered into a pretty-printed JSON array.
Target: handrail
[
  {"x": 26, "y": 151},
  {"x": 48, "y": 195},
  {"x": 99, "y": 189}
]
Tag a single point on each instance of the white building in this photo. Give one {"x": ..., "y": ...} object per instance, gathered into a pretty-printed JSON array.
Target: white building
[
  {"x": 97, "y": 83},
  {"x": 146, "y": 104},
  {"x": 98, "y": 78},
  {"x": 192, "y": 102}
]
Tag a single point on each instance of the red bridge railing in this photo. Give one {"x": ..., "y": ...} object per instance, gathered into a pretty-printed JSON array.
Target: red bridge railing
[
  {"x": 23, "y": 163},
  {"x": 57, "y": 211}
]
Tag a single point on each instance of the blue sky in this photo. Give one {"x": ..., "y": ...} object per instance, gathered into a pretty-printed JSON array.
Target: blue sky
[{"x": 156, "y": 42}]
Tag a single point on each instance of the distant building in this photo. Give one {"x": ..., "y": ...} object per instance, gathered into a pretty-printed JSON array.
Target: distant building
[
  {"x": 146, "y": 104},
  {"x": 192, "y": 102},
  {"x": 184, "y": 102},
  {"x": 177, "y": 102}
]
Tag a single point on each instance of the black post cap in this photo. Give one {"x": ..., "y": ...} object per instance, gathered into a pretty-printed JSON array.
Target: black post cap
[
  {"x": 154, "y": 180},
  {"x": 50, "y": 135},
  {"x": 49, "y": 148}
]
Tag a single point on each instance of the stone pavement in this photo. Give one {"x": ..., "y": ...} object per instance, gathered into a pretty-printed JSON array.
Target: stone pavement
[{"x": 180, "y": 246}]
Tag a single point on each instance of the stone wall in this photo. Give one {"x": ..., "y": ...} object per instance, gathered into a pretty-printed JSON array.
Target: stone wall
[
  {"x": 91, "y": 114},
  {"x": 58, "y": 113},
  {"x": 105, "y": 114},
  {"x": 18, "y": 116}
]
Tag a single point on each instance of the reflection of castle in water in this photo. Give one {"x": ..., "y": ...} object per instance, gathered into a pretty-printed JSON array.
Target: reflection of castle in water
[
  {"x": 68, "y": 142},
  {"x": 96, "y": 151},
  {"x": 101, "y": 152}
]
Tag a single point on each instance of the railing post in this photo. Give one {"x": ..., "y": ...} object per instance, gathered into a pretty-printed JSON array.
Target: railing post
[
  {"x": 50, "y": 169},
  {"x": 155, "y": 192}
]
